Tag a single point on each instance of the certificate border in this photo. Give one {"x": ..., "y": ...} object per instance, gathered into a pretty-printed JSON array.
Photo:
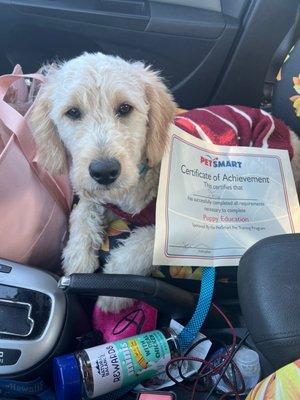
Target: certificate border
[{"x": 199, "y": 147}]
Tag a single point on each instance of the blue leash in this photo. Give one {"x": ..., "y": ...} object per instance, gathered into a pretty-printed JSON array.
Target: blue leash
[{"x": 191, "y": 330}]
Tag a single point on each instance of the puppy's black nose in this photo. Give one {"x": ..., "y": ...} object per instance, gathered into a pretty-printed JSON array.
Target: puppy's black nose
[{"x": 106, "y": 171}]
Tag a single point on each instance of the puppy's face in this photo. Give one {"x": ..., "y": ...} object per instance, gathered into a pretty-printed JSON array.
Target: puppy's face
[{"x": 108, "y": 115}]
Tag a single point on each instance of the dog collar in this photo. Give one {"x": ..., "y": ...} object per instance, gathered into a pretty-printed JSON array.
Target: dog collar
[
  {"x": 143, "y": 168},
  {"x": 143, "y": 218}
]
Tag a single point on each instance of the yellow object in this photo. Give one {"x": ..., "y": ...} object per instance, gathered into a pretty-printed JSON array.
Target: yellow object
[
  {"x": 283, "y": 384},
  {"x": 180, "y": 111},
  {"x": 296, "y": 99}
]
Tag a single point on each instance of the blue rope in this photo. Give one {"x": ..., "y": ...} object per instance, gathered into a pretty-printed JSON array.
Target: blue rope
[{"x": 191, "y": 330}]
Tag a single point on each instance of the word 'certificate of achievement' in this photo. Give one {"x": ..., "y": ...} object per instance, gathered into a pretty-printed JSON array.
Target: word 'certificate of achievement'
[{"x": 214, "y": 202}]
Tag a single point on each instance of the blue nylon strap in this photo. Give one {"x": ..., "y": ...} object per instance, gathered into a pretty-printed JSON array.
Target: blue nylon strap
[
  {"x": 191, "y": 330},
  {"x": 143, "y": 168}
]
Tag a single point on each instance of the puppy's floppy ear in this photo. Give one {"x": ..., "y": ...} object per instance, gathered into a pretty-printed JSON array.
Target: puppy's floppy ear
[
  {"x": 50, "y": 150},
  {"x": 161, "y": 113}
]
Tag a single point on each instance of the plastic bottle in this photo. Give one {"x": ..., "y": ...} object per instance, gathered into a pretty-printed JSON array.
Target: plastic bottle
[
  {"x": 102, "y": 369},
  {"x": 247, "y": 361}
]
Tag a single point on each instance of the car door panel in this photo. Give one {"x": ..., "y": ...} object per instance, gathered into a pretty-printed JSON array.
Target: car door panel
[
  {"x": 191, "y": 43},
  {"x": 187, "y": 44}
]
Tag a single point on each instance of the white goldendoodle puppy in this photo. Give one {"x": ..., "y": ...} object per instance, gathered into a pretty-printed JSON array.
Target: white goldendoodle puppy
[{"x": 106, "y": 117}]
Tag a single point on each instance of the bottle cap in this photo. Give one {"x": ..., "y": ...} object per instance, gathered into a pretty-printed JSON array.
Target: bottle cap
[
  {"x": 246, "y": 356},
  {"x": 67, "y": 378}
]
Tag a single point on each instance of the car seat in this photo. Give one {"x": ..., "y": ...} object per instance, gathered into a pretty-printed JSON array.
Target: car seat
[
  {"x": 269, "y": 272},
  {"x": 269, "y": 291}
]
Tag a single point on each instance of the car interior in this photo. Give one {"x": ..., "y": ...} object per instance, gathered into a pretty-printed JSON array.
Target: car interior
[{"x": 209, "y": 52}]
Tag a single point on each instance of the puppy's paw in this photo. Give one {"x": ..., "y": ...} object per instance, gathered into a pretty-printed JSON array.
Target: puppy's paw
[
  {"x": 75, "y": 261},
  {"x": 113, "y": 304}
]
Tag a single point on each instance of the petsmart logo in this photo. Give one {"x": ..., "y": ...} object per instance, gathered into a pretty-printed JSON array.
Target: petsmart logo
[{"x": 209, "y": 161}]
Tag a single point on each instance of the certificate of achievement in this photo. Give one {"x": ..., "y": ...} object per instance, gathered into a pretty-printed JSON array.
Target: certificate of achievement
[{"x": 214, "y": 202}]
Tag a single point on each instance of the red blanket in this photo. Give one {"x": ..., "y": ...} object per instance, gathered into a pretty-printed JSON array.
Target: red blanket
[{"x": 236, "y": 126}]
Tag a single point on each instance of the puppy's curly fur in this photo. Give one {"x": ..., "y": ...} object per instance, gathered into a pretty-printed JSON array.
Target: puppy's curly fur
[{"x": 96, "y": 85}]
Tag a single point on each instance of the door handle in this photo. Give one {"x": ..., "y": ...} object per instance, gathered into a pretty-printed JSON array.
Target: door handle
[{"x": 134, "y": 7}]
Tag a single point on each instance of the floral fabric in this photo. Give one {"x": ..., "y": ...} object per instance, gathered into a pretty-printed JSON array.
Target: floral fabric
[
  {"x": 286, "y": 96},
  {"x": 283, "y": 384},
  {"x": 119, "y": 230}
]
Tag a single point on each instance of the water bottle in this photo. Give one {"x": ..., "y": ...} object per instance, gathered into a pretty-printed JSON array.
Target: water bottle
[
  {"x": 102, "y": 369},
  {"x": 247, "y": 361}
]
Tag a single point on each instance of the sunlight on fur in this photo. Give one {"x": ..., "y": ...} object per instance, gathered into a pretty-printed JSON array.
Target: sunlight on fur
[{"x": 76, "y": 120}]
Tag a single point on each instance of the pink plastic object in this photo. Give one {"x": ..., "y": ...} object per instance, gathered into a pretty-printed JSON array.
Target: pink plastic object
[
  {"x": 129, "y": 322},
  {"x": 156, "y": 396}
]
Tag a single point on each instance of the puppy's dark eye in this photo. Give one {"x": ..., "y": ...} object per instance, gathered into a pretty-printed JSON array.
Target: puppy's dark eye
[
  {"x": 124, "y": 109},
  {"x": 74, "y": 113}
]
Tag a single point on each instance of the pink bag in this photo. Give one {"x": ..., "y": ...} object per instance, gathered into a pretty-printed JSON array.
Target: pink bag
[{"x": 34, "y": 206}]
